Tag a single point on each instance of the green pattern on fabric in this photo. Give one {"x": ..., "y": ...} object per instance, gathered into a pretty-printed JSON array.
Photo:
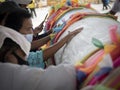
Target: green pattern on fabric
[{"x": 97, "y": 43}]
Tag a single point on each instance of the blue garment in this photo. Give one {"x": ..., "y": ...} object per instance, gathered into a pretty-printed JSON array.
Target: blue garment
[
  {"x": 59, "y": 28},
  {"x": 107, "y": 2},
  {"x": 35, "y": 59}
]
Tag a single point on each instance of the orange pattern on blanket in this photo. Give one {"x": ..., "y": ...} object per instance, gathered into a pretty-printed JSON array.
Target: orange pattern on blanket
[
  {"x": 72, "y": 19},
  {"x": 91, "y": 62}
]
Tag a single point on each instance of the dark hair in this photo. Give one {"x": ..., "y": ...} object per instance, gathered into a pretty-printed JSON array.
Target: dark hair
[
  {"x": 6, "y": 7},
  {"x": 15, "y": 19},
  {"x": 2, "y": 16},
  {"x": 7, "y": 46}
]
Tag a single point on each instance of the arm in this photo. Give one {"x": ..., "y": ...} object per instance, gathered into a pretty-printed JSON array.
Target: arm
[
  {"x": 40, "y": 27},
  {"x": 42, "y": 35},
  {"x": 38, "y": 43},
  {"x": 47, "y": 53}
]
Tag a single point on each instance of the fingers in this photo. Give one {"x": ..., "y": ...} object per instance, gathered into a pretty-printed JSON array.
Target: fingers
[
  {"x": 76, "y": 31},
  {"x": 41, "y": 24},
  {"x": 46, "y": 16},
  {"x": 68, "y": 32},
  {"x": 79, "y": 29},
  {"x": 44, "y": 19}
]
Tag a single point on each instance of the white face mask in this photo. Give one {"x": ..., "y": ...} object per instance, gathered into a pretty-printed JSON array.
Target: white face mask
[{"x": 29, "y": 37}]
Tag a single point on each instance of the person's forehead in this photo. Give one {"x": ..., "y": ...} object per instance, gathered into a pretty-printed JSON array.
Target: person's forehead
[{"x": 27, "y": 22}]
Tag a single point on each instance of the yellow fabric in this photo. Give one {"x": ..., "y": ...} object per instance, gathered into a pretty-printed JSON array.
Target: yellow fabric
[
  {"x": 2, "y": 0},
  {"x": 32, "y": 5},
  {"x": 76, "y": 1},
  {"x": 109, "y": 48},
  {"x": 43, "y": 47},
  {"x": 52, "y": 36},
  {"x": 64, "y": 1},
  {"x": 118, "y": 36}
]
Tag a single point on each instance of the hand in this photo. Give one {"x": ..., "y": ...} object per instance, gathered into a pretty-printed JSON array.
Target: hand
[
  {"x": 38, "y": 29},
  {"x": 50, "y": 31},
  {"x": 73, "y": 33}
]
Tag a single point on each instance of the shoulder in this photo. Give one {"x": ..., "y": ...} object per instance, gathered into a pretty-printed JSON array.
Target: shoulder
[{"x": 19, "y": 77}]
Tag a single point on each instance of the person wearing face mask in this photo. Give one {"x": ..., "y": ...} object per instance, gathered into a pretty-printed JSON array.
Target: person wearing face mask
[
  {"x": 10, "y": 49},
  {"x": 8, "y": 7},
  {"x": 20, "y": 20},
  {"x": 11, "y": 5},
  {"x": 39, "y": 28},
  {"x": 13, "y": 49}
]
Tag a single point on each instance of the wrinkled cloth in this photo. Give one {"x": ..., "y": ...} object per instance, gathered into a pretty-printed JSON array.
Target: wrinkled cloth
[
  {"x": 16, "y": 77},
  {"x": 16, "y": 37}
]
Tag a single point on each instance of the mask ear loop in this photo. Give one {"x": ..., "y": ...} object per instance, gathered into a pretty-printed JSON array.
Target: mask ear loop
[{"x": 20, "y": 60}]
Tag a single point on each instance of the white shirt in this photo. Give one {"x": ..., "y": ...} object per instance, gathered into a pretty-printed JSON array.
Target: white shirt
[{"x": 16, "y": 77}]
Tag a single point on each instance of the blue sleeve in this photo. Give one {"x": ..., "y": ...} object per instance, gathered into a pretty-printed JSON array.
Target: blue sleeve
[{"x": 35, "y": 59}]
